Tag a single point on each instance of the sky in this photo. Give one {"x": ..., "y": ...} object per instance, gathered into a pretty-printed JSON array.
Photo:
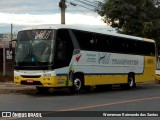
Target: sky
[{"x": 32, "y": 12}]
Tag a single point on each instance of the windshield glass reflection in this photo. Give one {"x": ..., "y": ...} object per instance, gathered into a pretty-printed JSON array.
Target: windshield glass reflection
[{"x": 34, "y": 48}]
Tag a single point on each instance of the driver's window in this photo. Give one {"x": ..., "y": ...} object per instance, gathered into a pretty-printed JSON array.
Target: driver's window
[{"x": 62, "y": 47}]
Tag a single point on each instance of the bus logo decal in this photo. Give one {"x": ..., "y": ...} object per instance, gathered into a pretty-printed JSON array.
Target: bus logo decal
[
  {"x": 78, "y": 58},
  {"x": 103, "y": 58}
]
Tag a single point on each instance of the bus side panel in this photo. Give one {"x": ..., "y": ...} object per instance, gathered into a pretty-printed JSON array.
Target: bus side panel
[
  {"x": 105, "y": 79},
  {"x": 107, "y": 68},
  {"x": 148, "y": 75},
  {"x": 149, "y": 70}
]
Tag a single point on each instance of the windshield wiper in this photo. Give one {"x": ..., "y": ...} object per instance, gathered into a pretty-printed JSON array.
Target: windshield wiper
[{"x": 43, "y": 48}]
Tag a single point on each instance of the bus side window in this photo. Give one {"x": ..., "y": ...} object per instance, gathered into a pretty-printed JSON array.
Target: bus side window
[
  {"x": 103, "y": 43},
  {"x": 85, "y": 39},
  {"x": 61, "y": 49},
  {"x": 64, "y": 48}
]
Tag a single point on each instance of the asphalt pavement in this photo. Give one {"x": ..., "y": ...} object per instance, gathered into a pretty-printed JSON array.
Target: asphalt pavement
[{"x": 10, "y": 87}]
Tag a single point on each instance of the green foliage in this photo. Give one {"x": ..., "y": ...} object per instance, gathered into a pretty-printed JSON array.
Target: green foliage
[{"x": 133, "y": 17}]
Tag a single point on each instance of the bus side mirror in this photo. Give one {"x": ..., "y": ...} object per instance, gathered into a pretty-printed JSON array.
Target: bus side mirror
[{"x": 10, "y": 45}]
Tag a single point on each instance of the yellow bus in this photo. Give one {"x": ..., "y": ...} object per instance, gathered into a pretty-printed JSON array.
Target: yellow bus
[{"x": 57, "y": 56}]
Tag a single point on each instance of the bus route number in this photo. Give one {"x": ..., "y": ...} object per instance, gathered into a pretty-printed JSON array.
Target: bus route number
[{"x": 44, "y": 34}]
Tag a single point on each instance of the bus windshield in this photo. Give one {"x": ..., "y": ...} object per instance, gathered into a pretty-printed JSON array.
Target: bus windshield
[{"x": 34, "y": 49}]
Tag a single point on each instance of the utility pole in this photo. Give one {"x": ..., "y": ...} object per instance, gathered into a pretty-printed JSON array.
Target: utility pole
[
  {"x": 62, "y": 5},
  {"x": 4, "y": 58},
  {"x": 11, "y": 31}
]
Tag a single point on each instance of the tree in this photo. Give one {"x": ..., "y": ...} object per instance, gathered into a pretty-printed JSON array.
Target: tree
[{"x": 133, "y": 17}]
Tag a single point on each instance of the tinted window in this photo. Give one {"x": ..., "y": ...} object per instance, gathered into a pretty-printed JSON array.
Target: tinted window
[
  {"x": 104, "y": 43},
  {"x": 107, "y": 43},
  {"x": 64, "y": 48},
  {"x": 145, "y": 48},
  {"x": 86, "y": 40}
]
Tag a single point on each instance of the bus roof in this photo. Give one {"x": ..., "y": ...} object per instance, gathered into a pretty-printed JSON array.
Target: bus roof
[{"x": 89, "y": 28}]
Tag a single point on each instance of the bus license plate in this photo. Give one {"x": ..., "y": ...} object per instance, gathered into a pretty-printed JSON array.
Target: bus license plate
[{"x": 29, "y": 81}]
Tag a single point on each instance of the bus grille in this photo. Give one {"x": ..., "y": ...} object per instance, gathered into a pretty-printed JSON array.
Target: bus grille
[
  {"x": 32, "y": 83},
  {"x": 28, "y": 76}
]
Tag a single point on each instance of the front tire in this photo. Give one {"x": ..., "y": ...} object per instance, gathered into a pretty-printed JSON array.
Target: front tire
[{"x": 77, "y": 84}]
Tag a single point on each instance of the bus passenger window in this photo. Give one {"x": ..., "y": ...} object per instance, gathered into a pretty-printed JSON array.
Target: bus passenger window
[{"x": 86, "y": 40}]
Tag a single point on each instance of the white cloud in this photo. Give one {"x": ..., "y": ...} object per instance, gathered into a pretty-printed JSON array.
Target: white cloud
[{"x": 29, "y": 19}]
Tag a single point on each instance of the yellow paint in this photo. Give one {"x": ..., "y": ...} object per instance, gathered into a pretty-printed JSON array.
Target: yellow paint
[
  {"x": 105, "y": 79},
  {"x": 149, "y": 71},
  {"x": 54, "y": 81},
  {"x": 157, "y": 77}
]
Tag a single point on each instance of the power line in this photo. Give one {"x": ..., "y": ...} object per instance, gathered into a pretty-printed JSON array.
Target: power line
[
  {"x": 94, "y": 5},
  {"x": 87, "y": 3},
  {"x": 74, "y": 4}
]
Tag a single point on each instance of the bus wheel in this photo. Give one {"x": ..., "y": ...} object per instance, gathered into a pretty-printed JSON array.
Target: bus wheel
[
  {"x": 77, "y": 84},
  {"x": 42, "y": 89},
  {"x": 131, "y": 83}
]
